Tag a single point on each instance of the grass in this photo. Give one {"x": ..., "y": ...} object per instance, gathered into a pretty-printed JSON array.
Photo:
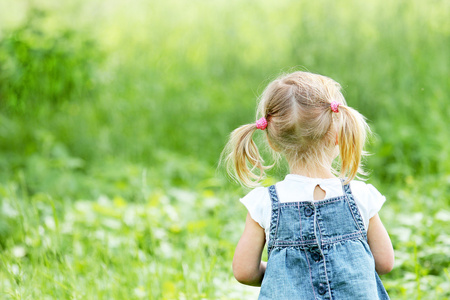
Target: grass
[{"x": 109, "y": 187}]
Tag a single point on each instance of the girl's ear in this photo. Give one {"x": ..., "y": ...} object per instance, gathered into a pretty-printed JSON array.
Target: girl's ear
[{"x": 337, "y": 139}]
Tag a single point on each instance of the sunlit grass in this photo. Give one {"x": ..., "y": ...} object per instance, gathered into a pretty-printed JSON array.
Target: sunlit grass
[{"x": 172, "y": 244}]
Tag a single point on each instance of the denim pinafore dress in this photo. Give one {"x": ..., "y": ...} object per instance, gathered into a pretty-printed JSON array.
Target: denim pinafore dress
[{"x": 319, "y": 250}]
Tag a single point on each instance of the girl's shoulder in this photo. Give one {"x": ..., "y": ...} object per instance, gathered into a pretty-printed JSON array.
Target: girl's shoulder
[
  {"x": 256, "y": 193},
  {"x": 368, "y": 199},
  {"x": 258, "y": 204},
  {"x": 365, "y": 190}
]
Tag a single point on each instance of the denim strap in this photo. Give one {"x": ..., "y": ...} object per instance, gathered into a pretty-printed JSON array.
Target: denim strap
[
  {"x": 354, "y": 208},
  {"x": 274, "y": 218}
]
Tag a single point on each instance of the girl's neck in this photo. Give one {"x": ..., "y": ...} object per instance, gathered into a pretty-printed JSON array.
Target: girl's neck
[{"x": 313, "y": 172}]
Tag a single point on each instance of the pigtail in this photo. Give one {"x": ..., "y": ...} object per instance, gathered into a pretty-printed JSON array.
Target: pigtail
[
  {"x": 352, "y": 135},
  {"x": 242, "y": 152}
]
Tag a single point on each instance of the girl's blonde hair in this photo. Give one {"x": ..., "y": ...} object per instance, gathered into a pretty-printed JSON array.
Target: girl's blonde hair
[{"x": 301, "y": 126}]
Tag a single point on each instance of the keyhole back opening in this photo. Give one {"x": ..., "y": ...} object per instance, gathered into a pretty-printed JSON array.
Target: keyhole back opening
[{"x": 319, "y": 193}]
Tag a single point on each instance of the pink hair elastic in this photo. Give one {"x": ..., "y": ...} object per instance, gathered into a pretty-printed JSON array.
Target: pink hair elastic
[
  {"x": 335, "y": 106},
  {"x": 261, "y": 123}
]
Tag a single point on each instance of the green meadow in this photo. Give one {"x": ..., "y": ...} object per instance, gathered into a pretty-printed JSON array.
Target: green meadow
[{"x": 113, "y": 115}]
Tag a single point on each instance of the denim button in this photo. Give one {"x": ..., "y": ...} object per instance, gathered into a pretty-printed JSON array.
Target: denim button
[
  {"x": 308, "y": 212},
  {"x": 322, "y": 289},
  {"x": 315, "y": 256}
]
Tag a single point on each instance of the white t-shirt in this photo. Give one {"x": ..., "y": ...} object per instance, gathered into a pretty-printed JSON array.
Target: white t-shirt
[{"x": 295, "y": 188}]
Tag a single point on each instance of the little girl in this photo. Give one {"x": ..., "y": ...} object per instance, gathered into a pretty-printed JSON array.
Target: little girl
[{"x": 325, "y": 239}]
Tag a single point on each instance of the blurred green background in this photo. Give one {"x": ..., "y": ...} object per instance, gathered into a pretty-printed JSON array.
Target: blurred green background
[{"x": 113, "y": 115}]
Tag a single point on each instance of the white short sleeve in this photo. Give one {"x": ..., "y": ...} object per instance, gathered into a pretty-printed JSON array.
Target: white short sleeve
[
  {"x": 256, "y": 203},
  {"x": 376, "y": 200},
  {"x": 368, "y": 199}
]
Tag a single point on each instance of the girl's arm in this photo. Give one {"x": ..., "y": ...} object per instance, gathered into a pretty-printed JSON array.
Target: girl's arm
[
  {"x": 380, "y": 245},
  {"x": 247, "y": 265}
]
